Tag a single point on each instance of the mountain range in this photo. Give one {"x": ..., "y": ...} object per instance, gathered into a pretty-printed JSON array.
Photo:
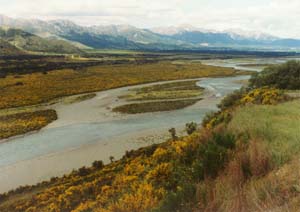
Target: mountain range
[{"x": 63, "y": 36}]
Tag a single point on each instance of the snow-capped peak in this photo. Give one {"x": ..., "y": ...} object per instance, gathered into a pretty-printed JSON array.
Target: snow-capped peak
[
  {"x": 172, "y": 30},
  {"x": 239, "y": 34}
]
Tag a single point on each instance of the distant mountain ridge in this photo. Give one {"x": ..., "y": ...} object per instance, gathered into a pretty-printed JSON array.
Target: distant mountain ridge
[{"x": 130, "y": 37}]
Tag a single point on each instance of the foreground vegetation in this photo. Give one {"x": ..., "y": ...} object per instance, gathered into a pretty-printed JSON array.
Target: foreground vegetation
[
  {"x": 245, "y": 158},
  {"x": 155, "y": 106},
  {"x": 38, "y": 88},
  {"x": 20, "y": 123}
]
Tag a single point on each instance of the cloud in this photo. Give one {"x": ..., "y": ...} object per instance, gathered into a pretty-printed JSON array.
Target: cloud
[{"x": 277, "y": 17}]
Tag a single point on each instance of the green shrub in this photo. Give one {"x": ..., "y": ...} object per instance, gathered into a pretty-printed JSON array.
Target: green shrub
[
  {"x": 224, "y": 139},
  {"x": 213, "y": 119},
  {"x": 179, "y": 200},
  {"x": 191, "y": 127},
  {"x": 213, "y": 154},
  {"x": 232, "y": 99},
  {"x": 213, "y": 158},
  {"x": 172, "y": 132},
  {"x": 284, "y": 76},
  {"x": 98, "y": 164}
]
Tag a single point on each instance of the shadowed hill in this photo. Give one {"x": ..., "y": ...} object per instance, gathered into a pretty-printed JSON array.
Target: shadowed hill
[
  {"x": 30, "y": 42},
  {"x": 8, "y": 49}
]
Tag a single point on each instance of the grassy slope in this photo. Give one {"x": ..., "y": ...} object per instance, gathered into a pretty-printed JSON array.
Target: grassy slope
[
  {"x": 249, "y": 179},
  {"x": 278, "y": 126},
  {"x": 38, "y": 88},
  {"x": 262, "y": 175}
]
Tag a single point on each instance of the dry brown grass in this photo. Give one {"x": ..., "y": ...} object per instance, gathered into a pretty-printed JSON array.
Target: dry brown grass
[
  {"x": 249, "y": 183},
  {"x": 259, "y": 158}
]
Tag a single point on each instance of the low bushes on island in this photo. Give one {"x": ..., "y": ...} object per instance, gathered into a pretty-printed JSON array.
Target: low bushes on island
[
  {"x": 20, "y": 123},
  {"x": 155, "y": 106}
]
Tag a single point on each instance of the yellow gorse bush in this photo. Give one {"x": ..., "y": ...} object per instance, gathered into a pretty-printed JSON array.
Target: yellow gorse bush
[{"x": 266, "y": 96}]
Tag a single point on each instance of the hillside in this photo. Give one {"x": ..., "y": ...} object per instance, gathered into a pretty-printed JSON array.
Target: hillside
[
  {"x": 30, "y": 42},
  {"x": 244, "y": 158},
  {"x": 8, "y": 49}
]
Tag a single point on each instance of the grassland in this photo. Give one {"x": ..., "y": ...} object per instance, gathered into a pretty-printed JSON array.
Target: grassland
[
  {"x": 20, "y": 123},
  {"x": 155, "y": 106},
  {"x": 278, "y": 126},
  {"x": 263, "y": 173},
  {"x": 35, "y": 88},
  {"x": 174, "y": 90}
]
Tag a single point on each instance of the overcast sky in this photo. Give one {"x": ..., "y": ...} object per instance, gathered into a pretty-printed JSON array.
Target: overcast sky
[{"x": 277, "y": 17}]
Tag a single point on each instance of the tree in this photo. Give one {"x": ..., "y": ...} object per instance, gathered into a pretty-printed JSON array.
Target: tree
[
  {"x": 98, "y": 164},
  {"x": 83, "y": 171},
  {"x": 172, "y": 131},
  {"x": 283, "y": 76},
  {"x": 111, "y": 158},
  {"x": 190, "y": 127}
]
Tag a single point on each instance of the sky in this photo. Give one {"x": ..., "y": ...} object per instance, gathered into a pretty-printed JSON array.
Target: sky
[{"x": 276, "y": 17}]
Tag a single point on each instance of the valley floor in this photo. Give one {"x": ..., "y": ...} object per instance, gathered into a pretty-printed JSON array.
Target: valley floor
[{"x": 19, "y": 91}]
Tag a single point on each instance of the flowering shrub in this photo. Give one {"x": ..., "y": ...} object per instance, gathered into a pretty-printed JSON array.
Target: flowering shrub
[{"x": 265, "y": 96}]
